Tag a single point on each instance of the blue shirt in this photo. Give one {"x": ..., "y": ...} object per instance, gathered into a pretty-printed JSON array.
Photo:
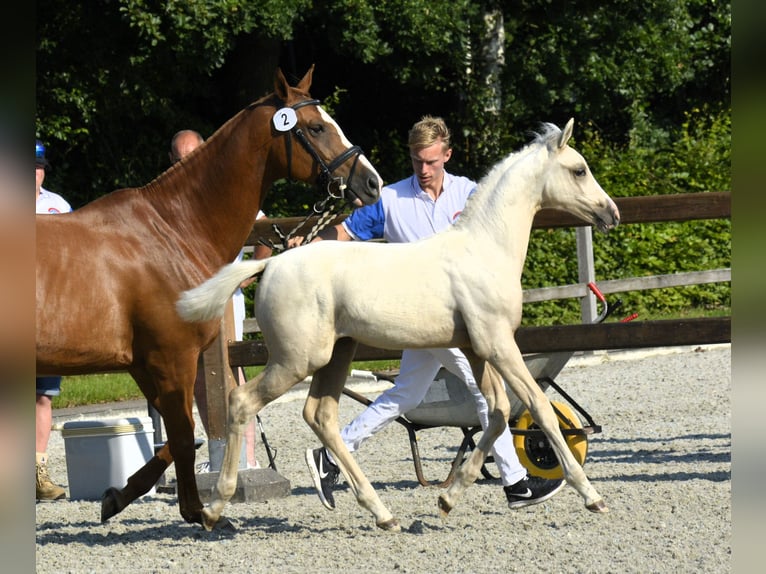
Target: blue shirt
[{"x": 406, "y": 213}]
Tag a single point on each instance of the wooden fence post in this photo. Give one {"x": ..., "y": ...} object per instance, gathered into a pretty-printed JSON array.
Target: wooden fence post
[
  {"x": 253, "y": 484},
  {"x": 219, "y": 381},
  {"x": 586, "y": 272}
]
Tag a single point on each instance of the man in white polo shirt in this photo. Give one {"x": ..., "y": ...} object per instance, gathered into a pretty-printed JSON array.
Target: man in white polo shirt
[{"x": 411, "y": 209}]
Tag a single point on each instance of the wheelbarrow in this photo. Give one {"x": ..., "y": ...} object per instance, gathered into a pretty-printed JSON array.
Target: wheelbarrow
[{"x": 448, "y": 403}]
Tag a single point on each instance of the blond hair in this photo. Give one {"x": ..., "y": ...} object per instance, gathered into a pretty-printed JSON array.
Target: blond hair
[{"x": 427, "y": 132}]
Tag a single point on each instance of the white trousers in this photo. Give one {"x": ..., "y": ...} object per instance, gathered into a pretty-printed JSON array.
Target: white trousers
[{"x": 418, "y": 369}]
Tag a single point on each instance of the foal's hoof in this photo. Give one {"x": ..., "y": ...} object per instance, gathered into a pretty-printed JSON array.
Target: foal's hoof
[
  {"x": 391, "y": 525},
  {"x": 599, "y": 506},
  {"x": 444, "y": 507},
  {"x": 221, "y": 523},
  {"x": 110, "y": 503}
]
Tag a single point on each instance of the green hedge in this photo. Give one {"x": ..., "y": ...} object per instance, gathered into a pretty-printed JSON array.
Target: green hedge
[{"x": 694, "y": 158}]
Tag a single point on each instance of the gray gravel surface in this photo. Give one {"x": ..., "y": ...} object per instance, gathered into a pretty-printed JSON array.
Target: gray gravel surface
[{"x": 662, "y": 463}]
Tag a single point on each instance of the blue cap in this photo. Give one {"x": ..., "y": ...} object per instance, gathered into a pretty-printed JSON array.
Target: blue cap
[{"x": 40, "y": 159}]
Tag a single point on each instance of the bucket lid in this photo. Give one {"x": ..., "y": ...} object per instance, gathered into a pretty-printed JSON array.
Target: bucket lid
[{"x": 111, "y": 426}]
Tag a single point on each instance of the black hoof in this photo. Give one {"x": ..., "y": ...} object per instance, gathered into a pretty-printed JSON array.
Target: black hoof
[
  {"x": 224, "y": 525},
  {"x": 444, "y": 507},
  {"x": 110, "y": 503}
]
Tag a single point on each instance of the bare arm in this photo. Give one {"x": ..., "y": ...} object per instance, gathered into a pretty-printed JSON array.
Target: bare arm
[
  {"x": 261, "y": 252},
  {"x": 335, "y": 233}
]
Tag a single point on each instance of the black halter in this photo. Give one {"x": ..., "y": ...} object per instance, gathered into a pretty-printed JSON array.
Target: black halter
[
  {"x": 325, "y": 178},
  {"x": 326, "y": 206}
]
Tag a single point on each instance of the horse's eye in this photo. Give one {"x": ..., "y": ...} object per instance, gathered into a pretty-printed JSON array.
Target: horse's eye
[
  {"x": 580, "y": 172},
  {"x": 316, "y": 129}
]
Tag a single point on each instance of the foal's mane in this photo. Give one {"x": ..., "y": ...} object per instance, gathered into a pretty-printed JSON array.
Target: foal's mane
[{"x": 485, "y": 204}]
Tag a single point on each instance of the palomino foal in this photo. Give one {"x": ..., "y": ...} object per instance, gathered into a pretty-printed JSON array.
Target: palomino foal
[{"x": 467, "y": 294}]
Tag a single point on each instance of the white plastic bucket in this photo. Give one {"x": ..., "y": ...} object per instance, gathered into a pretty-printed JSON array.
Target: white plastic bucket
[{"x": 104, "y": 453}]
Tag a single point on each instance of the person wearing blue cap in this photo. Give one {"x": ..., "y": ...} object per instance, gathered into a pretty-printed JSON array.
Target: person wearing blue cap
[
  {"x": 46, "y": 387},
  {"x": 47, "y": 201}
]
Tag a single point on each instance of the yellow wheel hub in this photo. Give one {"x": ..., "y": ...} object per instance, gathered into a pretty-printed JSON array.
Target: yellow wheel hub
[{"x": 534, "y": 450}]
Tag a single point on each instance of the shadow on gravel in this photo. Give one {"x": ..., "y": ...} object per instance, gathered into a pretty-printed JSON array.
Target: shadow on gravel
[
  {"x": 94, "y": 533},
  {"x": 342, "y": 486},
  {"x": 695, "y": 449}
]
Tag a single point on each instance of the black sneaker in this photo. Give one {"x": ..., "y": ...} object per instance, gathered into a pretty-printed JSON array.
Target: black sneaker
[
  {"x": 324, "y": 473},
  {"x": 532, "y": 490}
]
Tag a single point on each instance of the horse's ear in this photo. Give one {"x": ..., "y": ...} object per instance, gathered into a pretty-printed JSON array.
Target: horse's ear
[
  {"x": 280, "y": 85},
  {"x": 305, "y": 82},
  {"x": 566, "y": 133}
]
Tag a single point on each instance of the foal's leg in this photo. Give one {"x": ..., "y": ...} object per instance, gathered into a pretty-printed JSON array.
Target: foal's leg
[
  {"x": 491, "y": 386},
  {"x": 512, "y": 367},
  {"x": 321, "y": 414},
  {"x": 245, "y": 402}
]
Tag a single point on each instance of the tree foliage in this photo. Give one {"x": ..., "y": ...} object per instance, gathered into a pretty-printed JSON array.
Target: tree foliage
[
  {"x": 116, "y": 78},
  {"x": 648, "y": 84}
]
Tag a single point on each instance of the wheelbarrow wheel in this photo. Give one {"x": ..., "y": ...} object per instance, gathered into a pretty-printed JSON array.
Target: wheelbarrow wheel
[{"x": 534, "y": 450}]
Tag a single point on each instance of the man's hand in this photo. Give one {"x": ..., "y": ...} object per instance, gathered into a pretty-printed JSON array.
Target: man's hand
[{"x": 296, "y": 241}]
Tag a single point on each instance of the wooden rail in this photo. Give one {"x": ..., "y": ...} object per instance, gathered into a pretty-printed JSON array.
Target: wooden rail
[
  {"x": 580, "y": 337},
  {"x": 645, "y": 209}
]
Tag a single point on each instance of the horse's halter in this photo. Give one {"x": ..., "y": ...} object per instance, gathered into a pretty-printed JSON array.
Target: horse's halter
[
  {"x": 325, "y": 177},
  {"x": 326, "y": 206}
]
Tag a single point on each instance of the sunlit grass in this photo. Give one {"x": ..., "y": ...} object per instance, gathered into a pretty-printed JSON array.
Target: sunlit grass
[{"x": 95, "y": 389}]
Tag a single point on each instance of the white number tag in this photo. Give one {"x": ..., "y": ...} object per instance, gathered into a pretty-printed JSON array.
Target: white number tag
[{"x": 285, "y": 119}]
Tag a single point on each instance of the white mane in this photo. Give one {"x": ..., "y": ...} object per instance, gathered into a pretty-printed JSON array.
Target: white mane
[{"x": 484, "y": 203}]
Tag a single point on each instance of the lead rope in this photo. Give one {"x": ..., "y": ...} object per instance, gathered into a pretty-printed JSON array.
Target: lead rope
[{"x": 326, "y": 210}]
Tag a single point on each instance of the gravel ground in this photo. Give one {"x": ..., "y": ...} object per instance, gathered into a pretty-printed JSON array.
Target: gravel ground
[{"x": 662, "y": 464}]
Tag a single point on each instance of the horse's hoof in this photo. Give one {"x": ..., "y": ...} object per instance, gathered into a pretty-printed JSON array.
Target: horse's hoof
[
  {"x": 110, "y": 503},
  {"x": 210, "y": 523},
  {"x": 391, "y": 525},
  {"x": 224, "y": 525},
  {"x": 444, "y": 507},
  {"x": 599, "y": 506}
]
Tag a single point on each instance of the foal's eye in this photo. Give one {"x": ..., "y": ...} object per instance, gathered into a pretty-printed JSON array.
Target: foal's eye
[
  {"x": 580, "y": 172},
  {"x": 316, "y": 129}
]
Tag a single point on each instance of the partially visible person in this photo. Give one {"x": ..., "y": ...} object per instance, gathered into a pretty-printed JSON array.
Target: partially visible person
[
  {"x": 414, "y": 208},
  {"x": 46, "y": 388},
  {"x": 182, "y": 144}
]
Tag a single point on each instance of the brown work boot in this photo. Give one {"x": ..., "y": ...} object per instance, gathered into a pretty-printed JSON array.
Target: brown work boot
[{"x": 44, "y": 487}]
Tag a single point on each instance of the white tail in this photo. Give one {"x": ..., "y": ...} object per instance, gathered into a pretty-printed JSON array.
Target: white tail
[{"x": 208, "y": 300}]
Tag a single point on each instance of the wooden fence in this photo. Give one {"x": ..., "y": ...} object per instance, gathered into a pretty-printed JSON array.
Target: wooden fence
[{"x": 226, "y": 353}]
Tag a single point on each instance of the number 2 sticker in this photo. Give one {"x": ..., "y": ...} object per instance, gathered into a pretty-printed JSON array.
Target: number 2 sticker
[{"x": 285, "y": 119}]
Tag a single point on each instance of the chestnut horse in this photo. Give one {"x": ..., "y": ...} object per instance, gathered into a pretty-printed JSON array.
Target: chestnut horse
[
  {"x": 458, "y": 288},
  {"x": 109, "y": 274}
]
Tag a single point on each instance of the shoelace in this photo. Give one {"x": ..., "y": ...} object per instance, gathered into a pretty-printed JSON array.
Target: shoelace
[{"x": 42, "y": 474}]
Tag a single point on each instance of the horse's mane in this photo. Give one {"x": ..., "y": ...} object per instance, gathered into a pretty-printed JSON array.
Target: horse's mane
[
  {"x": 270, "y": 99},
  {"x": 221, "y": 133},
  {"x": 548, "y": 133},
  {"x": 482, "y": 204}
]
